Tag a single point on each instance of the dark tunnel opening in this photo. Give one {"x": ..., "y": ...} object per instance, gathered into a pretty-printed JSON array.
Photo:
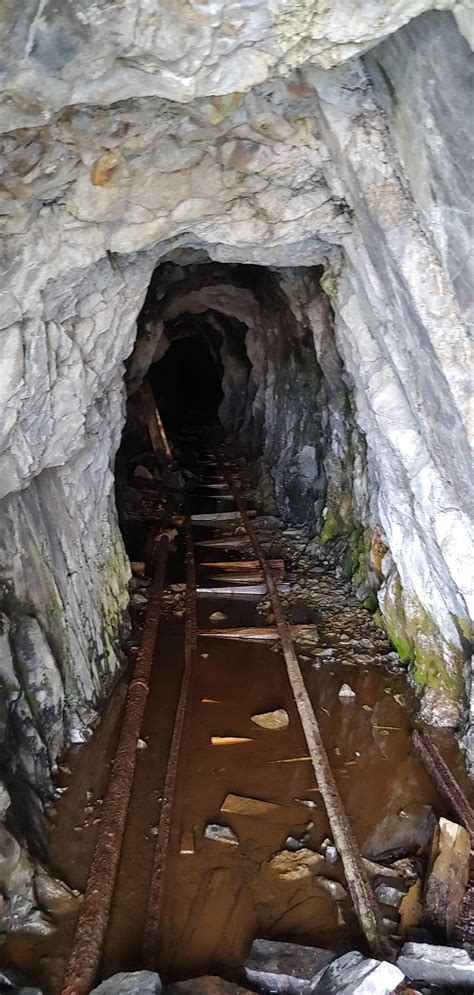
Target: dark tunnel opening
[{"x": 187, "y": 384}]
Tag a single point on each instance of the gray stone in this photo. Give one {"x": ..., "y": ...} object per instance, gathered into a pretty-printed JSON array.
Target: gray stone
[
  {"x": 221, "y": 834},
  {"x": 130, "y": 983},
  {"x": 354, "y": 974},
  {"x": 401, "y": 832},
  {"x": 274, "y": 966},
  {"x": 437, "y": 965}
]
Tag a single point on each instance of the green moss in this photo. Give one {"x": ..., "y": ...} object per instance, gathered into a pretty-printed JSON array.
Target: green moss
[
  {"x": 370, "y": 602},
  {"x": 328, "y": 284},
  {"x": 465, "y": 627},
  {"x": 331, "y": 527},
  {"x": 402, "y": 643}
]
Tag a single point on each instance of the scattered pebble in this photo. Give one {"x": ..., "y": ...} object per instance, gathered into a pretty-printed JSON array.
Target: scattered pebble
[
  {"x": 142, "y": 745},
  {"x": 346, "y": 691},
  {"x": 217, "y": 617},
  {"x": 277, "y": 719},
  {"x": 221, "y": 834}
]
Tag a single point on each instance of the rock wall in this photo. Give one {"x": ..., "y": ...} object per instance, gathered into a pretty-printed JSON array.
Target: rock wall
[{"x": 260, "y": 143}]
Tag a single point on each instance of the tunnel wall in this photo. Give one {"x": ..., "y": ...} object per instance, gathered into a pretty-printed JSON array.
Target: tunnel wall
[{"x": 224, "y": 157}]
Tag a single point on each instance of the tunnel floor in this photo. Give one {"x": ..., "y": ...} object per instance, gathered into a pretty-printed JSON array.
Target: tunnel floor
[{"x": 219, "y": 896}]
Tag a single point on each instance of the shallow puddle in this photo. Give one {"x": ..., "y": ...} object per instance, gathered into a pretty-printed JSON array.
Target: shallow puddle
[{"x": 220, "y": 896}]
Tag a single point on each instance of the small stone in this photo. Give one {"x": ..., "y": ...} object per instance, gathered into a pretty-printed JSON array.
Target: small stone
[
  {"x": 332, "y": 888},
  {"x": 217, "y": 617},
  {"x": 389, "y": 894},
  {"x": 142, "y": 745},
  {"x": 437, "y": 965},
  {"x": 141, "y": 471},
  {"x": 295, "y": 866},
  {"x": 139, "y": 599},
  {"x": 346, "y": 691},
  {"x": 221, "y": 834},
  {"x": 277, "y": 719}
]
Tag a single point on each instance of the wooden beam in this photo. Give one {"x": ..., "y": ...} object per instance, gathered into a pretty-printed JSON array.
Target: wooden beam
[
  {"x": 154, "y": 423},
  {"x": 266, "y": 634}
]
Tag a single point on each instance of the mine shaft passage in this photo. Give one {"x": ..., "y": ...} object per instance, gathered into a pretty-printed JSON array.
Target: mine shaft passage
[{"x": 187, "y": 384}]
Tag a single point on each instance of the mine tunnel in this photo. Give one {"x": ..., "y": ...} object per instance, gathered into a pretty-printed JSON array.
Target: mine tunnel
[{"x": 236, "y": 708}]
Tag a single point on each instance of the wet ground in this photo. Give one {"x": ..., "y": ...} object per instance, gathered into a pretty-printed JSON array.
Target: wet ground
[{"x": 220, "y": 896}]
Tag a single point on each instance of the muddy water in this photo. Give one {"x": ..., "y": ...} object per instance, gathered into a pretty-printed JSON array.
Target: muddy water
[{"x": 219, "y": 897}]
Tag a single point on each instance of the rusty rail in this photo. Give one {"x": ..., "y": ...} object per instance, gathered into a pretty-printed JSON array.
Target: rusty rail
[
  {"x": 84, "y": 961},
  {"x": 158, "y": 878},
  {"x": 358, "y": 882},
  {"x": 444, "y": 781}
]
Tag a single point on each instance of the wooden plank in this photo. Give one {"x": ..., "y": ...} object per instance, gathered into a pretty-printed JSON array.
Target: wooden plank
[
  {"x": 242, "y": 805},
  {"x": 234, "y": 566},
  {"x": 448, "y": 879},
  {"x": 238, "y": 592},
  {"x": 216, "y": 517},
  {"x": 154, "y": 423},
  {"x": 267, "y": 634},
  {"x": 229, "y": 542}
]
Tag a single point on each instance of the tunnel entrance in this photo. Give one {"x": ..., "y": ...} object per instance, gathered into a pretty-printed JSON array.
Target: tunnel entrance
[{"x": 187, "y": 383}]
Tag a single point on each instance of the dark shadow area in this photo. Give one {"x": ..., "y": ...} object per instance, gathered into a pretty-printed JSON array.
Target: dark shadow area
[{"x": 187, "y": 384}]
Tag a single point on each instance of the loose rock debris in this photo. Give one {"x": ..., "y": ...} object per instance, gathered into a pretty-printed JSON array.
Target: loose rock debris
[
  {"x": 277, "y": 719},
  {"x": 221, "y": 834}
]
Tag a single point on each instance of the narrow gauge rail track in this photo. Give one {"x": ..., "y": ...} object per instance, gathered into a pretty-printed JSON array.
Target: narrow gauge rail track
[{"x": 261, "y": 575}]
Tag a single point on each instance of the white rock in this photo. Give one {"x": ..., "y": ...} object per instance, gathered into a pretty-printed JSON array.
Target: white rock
[{"x": 437, "y": 965}]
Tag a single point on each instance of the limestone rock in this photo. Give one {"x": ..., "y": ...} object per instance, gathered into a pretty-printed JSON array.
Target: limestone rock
[
  {"x": 294, "y": 866},
  {"x": 402, "y": 832},
  {"x": 130, "y": 983},
  {"x": 353, "y": 974},
  {"x": 448, "y": 877},
  {"x": 221, "y": 834},
  {"x": 274, "y": 966},
  {"x": 437, "y": 965},
  {"x": 277, "y": 719}
]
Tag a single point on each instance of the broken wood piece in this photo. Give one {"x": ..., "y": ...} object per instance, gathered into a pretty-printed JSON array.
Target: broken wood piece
[
  {"x": 226, "y": 542},
  {"x": 236, "y": 591},
  {"x": 411, "y": 908},
  {"x": 154, "y": 423},
  {"x": 444, "y": 781},
  {"x": 241, "y": 805},
  {"x": 448, "y": 879},
  {"x": 290, "y": 760},
  {"x": 187, "y": 842},
  {"x": 229, "y": 740},
  {"x": 278, "y": 719},
  {"x": 210, "y": 701},
  {"x": 235, "y": 566},
  {"x": 216, "y": 517},
  {"x": 210, "y": 497},
  {"x": 258, "y": 635}
]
